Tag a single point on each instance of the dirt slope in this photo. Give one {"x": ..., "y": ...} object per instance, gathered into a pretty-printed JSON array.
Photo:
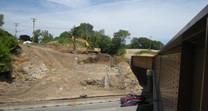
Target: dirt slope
[{"x": 48, "y": 72}]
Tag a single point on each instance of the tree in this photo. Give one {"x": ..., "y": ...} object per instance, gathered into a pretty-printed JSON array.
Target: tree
[
  {"x": 46, "y": 36},
  {"x": 102, "y": 41},
  {"x": 102, "y": 31},
  {"x": 118, "y": 41},
  {"x": 157, "y": 45},
  {"x": 120, "y": 37},
  {"x": 36, "y": 34},
  {"x": 144, "y": 43},
  {"x": 84, "y": 30},
  {"x": 95, "y": 39},
  {"x": 24, "y": 38},
  {"x": 74, "y": 31},
  {"x": 1, "y": 20},
  {"x": 65, "y": 34}
]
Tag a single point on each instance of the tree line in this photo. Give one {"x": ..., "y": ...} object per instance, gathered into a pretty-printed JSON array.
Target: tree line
[{"x": 115, "y": 45}]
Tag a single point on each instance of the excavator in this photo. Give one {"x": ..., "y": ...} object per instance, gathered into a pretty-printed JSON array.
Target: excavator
[{"x": 89, "y": 49}]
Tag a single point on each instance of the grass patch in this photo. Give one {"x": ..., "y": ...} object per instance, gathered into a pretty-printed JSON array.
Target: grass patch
[{"x": 146, "y": 52}]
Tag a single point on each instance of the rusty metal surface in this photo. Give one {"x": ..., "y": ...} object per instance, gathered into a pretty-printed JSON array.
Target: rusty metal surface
[{"x": 142, "y": 62}]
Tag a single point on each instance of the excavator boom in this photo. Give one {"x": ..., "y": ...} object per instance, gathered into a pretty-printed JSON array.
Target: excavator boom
[
  {"x": 82, "y": 40},
  {"x": 89, "y": 49}
]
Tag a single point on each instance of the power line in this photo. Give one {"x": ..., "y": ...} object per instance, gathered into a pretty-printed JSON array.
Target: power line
[{"x": 40, "y": 27}]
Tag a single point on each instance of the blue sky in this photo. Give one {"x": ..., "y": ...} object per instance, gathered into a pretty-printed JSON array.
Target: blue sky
[{"x": 160, "y": 19}]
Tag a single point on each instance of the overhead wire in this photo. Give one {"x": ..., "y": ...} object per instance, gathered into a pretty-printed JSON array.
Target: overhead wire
[{"x": 41, "y": 27}]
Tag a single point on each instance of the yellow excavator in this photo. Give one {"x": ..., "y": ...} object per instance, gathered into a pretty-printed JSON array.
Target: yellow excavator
[{"x": 89, "y": 49}]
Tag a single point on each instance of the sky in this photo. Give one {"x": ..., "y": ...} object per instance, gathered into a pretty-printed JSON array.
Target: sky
[{"x": 159, "y": 19}]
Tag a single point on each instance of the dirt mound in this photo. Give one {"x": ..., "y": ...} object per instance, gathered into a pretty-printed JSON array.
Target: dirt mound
[{"x": 49, "y": 72}]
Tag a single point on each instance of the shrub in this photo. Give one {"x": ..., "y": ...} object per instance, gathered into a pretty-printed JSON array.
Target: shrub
[
  {"x": 64, "y": 40},
  {"x": 121, "y": 52},
  {"x": 146, "y": 52},
  {"x": 4, "y": 58},
  {"x": 8, "y": 44}
]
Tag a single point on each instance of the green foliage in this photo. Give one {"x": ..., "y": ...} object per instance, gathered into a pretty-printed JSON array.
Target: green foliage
[
  {"x": 96, "y": 39},
  {"x": 8, "y": 41},
  {"x": 128, "y": 46},
  {"x": 146, "y": 52},
  {"x": 142, "y": 43},
  {"x": 46, "y": 36},
  {"x": 157, "y": 45},
  {"x": 84, "y": 30},
  {"x": 1, "y": 20},
  {"x": 65, "y": 34},
  {"x": 74, "y": 31},
  {"x": 121, "y": 52},
  {"x": 36, "y": 34},
  {"x": 102, "y": 41},
  {"x": 118, "y": 41},
  {"x": 64, "y": 40},
  {"x": 105, "y": 43},
  {"x": 119, "y": 37},
  {"x": 4, "y": 58},
  {"x": 145, "y": 43},
  {"x": 8, "y": 44}
]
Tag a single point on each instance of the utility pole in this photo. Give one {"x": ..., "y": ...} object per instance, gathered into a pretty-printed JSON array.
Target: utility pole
[
  {"x": 16, "y": 24},
  {"x": 150, "y": 42},
  {"x": 34, "y": 19}
]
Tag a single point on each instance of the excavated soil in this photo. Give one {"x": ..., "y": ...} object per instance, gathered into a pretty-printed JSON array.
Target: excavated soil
[{"x": 42, "y": 72}]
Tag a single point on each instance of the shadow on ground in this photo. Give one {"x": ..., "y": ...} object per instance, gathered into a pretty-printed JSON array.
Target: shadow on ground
[
  {"x": 141, "y": 75},
  {"x": 6, "y": 77}
]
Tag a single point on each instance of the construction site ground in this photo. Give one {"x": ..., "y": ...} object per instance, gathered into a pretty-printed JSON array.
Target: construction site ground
[{"x": 50, "y": 71}]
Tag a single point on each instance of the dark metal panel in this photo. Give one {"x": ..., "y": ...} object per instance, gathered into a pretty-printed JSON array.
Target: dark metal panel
[
  {"x": 204, "y": 97},
  {"x": 197, "y": 76},
  {"x": 185, "y": 80}
]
